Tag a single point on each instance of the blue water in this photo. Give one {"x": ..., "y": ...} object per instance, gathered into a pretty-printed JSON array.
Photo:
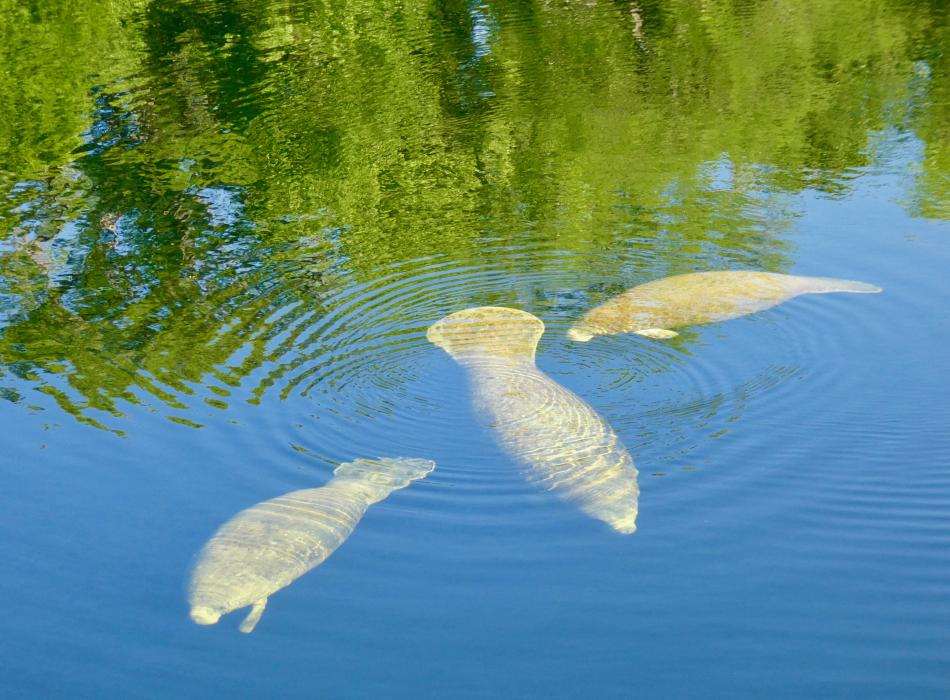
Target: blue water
[
  {"x": 792, "y": 539},
  {"x": 311, "y": 199}
]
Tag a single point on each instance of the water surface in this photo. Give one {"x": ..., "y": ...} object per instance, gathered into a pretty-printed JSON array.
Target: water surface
[{"x": 225, "y": 227}]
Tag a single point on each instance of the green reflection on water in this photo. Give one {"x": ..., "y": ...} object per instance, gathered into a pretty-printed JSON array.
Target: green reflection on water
[{"x": 189, "y": 184}]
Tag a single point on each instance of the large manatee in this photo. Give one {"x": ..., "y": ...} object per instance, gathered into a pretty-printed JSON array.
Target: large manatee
[
  {"x": 655, "y": 308},
  {"x": 564, "y": 444},
  {"x": 266, "y": 547}
]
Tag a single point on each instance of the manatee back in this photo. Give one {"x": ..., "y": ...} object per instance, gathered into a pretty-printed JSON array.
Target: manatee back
[
  {"x": 564, "y": 444},
  {"x": 702, "y": 297},
  {"x": 488, "y": 332}
]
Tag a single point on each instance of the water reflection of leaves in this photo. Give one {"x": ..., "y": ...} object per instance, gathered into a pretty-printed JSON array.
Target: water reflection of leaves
[{"x": 233, "y": 161}]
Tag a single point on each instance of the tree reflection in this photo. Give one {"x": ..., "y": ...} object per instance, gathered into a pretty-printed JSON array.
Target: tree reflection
[{"x": 187, "y": 181}]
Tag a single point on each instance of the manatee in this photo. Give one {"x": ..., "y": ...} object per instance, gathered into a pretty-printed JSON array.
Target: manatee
[
  {"x": 266, "y": 547},
  {"x": 655, "y": 308},
  {"x": 560, "y": 440}
]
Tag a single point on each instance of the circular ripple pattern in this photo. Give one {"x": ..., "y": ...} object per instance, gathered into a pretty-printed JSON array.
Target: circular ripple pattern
[
  {"x": 669, "y": 397},
  {"x": 365, "y": 370},
  {"x": 345, "y": 370}
]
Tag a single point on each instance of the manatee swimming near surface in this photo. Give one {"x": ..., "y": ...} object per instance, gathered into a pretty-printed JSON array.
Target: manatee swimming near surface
[
  {"x": 655, "y": 308},
  {"x": 266, "y": 547},
  {"x": 564, "y": 444}
]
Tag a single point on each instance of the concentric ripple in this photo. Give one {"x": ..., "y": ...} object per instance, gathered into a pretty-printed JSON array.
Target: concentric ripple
[{"x": 669, "y": 397}]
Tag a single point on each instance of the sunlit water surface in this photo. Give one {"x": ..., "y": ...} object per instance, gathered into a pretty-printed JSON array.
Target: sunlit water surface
[{"x": 227, "y": 226}]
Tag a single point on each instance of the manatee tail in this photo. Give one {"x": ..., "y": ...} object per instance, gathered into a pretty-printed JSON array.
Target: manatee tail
[
  {"x": 488, "y": 332},
  {"x": 825, "y": 285},
  {"x": 386, "y": 472}
]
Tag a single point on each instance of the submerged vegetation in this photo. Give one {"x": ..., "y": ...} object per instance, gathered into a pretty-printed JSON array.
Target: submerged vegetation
[{"x": 187, "y": 185}]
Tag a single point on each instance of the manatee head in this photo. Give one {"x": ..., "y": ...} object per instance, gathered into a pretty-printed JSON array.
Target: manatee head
[
  {"x": 488, "y": 332},
  {"x": 595, "y": 322},
  {"x": 590, "y": 325},
  {"x": 221, "y": 581},
  {"x": 580, "y": 334},
  {"x": 625, "y": 525},
  {"x": 621, "y": 315},
  {"x": 204, "y": 615}
]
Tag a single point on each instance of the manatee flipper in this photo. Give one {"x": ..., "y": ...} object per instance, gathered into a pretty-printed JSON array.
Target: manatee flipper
[
  {"x": 253, "y": 617},
  {"x": 657, "y": 333}
]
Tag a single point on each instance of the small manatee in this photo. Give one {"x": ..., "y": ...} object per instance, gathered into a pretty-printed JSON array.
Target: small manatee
[
  {"x": 268, "y": 546},
  {"x": 564, "y": 445},
  {"x": 655, "y": 308}
]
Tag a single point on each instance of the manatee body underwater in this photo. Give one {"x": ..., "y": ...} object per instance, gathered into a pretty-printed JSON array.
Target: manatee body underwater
[
  {"x": 564, "y": 444},
  {"x": 271, "y": 544},
  {"x": 654, "y": 309}
]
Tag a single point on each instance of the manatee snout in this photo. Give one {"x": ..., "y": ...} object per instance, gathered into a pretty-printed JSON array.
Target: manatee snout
[
  {"x": 204, "y": 615},
  {"x": 580, "y": 335},
  {"x": 626, "y": 525}
]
